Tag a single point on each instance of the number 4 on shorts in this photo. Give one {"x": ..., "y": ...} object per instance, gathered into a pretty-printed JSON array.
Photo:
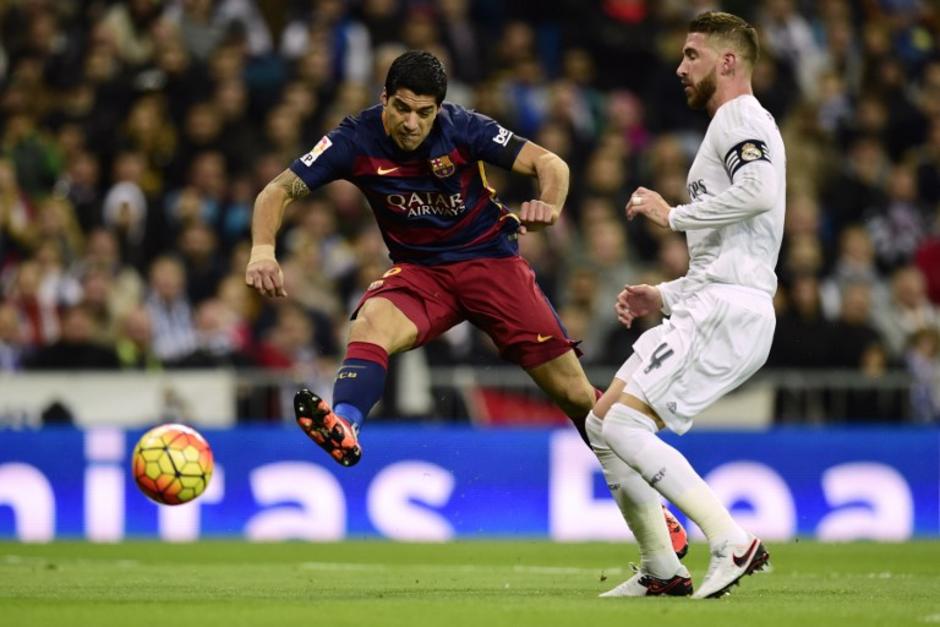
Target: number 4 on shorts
[{"x": 659, "y": 355}]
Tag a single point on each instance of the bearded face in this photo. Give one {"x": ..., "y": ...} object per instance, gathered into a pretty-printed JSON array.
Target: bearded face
[
  {"x": 698, "y": 94},
  {"x": 698, "y": 70}
]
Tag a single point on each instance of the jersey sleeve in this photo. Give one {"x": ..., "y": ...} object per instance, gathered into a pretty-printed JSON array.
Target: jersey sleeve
[
  {"x": 330, "y": 159},
  {"x": 740, "y": 142},
  {"x": 488, "y": 141},
  {"x": 748, "y": 162},
  {"x": 671, "y": 292}
]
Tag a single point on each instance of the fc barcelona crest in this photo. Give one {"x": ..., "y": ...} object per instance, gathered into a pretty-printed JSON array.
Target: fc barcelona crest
[{"x": 442, "y": 166}]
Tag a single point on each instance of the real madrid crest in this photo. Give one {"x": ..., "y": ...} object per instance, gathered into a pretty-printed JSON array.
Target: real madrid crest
[
  {"x": 749, "y": 152},
  {"x": 442, "y": 166}
]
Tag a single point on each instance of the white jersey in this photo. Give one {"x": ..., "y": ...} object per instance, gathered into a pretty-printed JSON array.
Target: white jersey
[
  {"x": 722, "y": 319},
  {"x": 737, "y": 183}
]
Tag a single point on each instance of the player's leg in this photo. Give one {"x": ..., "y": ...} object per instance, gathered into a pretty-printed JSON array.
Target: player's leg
[
  {"x": 660, "y": 571},
  {"x": 660, "y": 544},
  {"x": 564, "y": 381},
  {"x": 501, "y": 297},
  {"x": 393, "y": 316},
  {"x": 522, "y": 323},
  {"x": 379, "y": 330},
  {"x": 678, "y": 537},
  {"x": 706, "y": 351},
  {"x": 630, "y": 429}
]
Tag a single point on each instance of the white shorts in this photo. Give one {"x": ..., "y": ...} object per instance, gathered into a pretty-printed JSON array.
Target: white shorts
[{"x": 715, "y": 339}]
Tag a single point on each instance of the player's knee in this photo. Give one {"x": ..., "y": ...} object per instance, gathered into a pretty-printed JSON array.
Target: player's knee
[
  {"x": 367, "y": 329},
  {"x": 362, "y": 329},
  {"x": 385, "y": 326},
  {"x": 631, "y": 428},
  {"x": 594, "y": 429},
  {"x": 575, "y": 401}
]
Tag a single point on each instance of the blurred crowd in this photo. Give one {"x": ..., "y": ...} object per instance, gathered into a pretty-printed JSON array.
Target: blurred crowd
[{"x": 135, "y": 136}]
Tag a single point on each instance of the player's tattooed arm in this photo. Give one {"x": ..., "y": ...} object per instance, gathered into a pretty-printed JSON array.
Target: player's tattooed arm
[
  {"x": 292, "y": 185},
  {"x": 263, "y": 271},
  {"x": 285, "y": 188}
]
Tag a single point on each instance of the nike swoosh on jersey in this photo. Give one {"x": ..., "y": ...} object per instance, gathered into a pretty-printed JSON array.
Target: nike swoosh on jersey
[
  {"x": 543, "y": 338},
  {"x": 742, "y": 561},
  {"x": 384, "y": 171}
]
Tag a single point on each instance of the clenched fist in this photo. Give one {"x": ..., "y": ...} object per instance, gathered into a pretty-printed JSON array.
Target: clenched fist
[{"x": 535, "y": 215}]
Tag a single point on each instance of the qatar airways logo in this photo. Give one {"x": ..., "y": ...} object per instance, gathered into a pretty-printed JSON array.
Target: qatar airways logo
[{"x": 418, "y": 204}]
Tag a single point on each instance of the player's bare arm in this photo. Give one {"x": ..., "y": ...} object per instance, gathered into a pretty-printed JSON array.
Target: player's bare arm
[
  {"x": 636, "y": 301},
  {"x": 646, "y": 202},
  {"x": 553, "y": 175},
  {"x": 263, "y": 271}
]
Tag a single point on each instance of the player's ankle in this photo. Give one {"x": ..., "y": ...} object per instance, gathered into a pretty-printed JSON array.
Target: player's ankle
[
  {"x": 349, "y": 413},
  {"x": 728, "y": 536},
  {"x": 662, "y": 565}
]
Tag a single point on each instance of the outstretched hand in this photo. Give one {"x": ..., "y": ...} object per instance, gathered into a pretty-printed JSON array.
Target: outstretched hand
[
  {"x": 651, "y": 204},
  {"x": 636, "y": 301},
  {"x": 535, "y": 215},
  {"x": 264, "y": 274}
]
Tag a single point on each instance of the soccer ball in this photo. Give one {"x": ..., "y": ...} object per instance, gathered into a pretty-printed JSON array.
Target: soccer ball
[{"x": 172, "y": 464}]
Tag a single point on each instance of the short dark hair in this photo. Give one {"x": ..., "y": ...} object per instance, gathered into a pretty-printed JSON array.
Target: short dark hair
[
  {"x": 419, "y": 71},
  {"x": 731, "y": 28}
]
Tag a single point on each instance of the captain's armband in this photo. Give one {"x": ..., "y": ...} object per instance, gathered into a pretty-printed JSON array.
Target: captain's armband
[{"x": 743, "y": 153}]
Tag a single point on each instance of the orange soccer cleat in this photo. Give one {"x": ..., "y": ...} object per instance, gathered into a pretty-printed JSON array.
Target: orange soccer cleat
[{"x": 334, "y": 434}]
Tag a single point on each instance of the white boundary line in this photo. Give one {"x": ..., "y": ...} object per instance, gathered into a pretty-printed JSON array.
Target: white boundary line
[
  {"x": 462, "y": 568},
  {"x": 14, "y": 560}
]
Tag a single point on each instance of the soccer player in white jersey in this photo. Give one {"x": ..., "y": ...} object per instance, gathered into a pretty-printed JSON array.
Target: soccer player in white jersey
[{"x": 720, "y": 316}]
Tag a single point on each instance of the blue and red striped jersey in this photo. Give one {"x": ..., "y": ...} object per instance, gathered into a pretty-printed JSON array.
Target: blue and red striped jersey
[{"x": 432, "y": 204}]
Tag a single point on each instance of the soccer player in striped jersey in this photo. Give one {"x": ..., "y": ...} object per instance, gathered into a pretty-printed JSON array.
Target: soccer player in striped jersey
[{"x": 419, "y": 162}]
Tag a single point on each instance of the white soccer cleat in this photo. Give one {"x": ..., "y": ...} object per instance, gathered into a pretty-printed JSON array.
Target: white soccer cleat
[
  {"x": 729, "y": 563},
  {"x": 644, "y": 585}
]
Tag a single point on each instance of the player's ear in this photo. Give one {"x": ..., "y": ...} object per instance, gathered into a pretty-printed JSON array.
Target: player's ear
[
  {"x": 729, "y": 61},
  {"x": 384, "y": 98}
]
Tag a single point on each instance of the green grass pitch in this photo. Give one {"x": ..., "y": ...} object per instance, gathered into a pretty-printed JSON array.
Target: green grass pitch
[{"x": 479, "y": 584}]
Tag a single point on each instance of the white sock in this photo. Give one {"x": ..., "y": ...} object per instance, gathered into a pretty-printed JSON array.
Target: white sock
[
  {"x": 632, "y": 436},
  {"x": 640, "y": 505}
]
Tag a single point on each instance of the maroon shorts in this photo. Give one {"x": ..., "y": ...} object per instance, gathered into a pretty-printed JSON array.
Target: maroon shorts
[{"x": 500, "y": 296}]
